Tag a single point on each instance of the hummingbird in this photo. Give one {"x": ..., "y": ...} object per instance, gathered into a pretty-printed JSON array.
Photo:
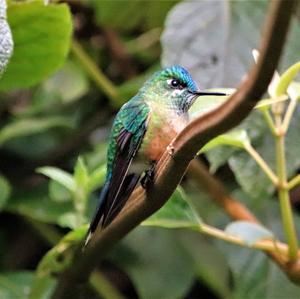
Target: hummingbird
[{"x": 142, "y": 130}]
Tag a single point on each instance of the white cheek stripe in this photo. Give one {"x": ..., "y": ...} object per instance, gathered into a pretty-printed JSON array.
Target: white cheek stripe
[{"x": 177, "y": 92}]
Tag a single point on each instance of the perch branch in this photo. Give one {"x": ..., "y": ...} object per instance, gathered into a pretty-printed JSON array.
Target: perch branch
[{"x": 171, "y": 169}]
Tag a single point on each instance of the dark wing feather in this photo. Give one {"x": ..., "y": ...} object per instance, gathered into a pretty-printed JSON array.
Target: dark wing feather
[{"x": 120, "y": 184}]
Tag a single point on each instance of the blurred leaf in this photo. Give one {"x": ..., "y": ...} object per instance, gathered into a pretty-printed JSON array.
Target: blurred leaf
[
  {"x": 38, "y": 206},
  {"x": 214, "y": 39},
  {"x": 42, "y": 288},
  {"x": 6, "y": 41},
  {"x": 58, "y": 192},
  {"x": 176, "y": 213},
  {"x": 205, "y": 104},
  {"x": 69, "y": 83},
  {"x": 81, "y": 175},
  {"x": 97, "y": 178},
  {"x": 126, "y": 15},
  {"x": 15, "y": 285},
  {"x": 208, "y": 262},
  {"x": 236, "y": 138},
  {"x": 286, "y": 79},
  {"x": 61, "y": 255},
  {"x": 255, "y": 276},
  {"x": 60, "y": 176},
  {"x": 266, "y": 103},
  {"x": 219, "y": 156},
  {"x": 162, "y": 271},
  {"x": 250, "y": 233},
  {"x": 249, "y": 175},
  {"x": 42, "y": 38},
  {"x": 195, "y": 36},
  {"x": 24, "y": 127},
  {"x": 5, "y": 191},
  {"x": 69, "y": 220}
]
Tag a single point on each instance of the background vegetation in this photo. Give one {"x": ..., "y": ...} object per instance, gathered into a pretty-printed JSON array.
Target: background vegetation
[{"x": 66, "y": 70}]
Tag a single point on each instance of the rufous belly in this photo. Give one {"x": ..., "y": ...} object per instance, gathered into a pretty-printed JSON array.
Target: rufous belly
[{"x": 161, "y": 131}]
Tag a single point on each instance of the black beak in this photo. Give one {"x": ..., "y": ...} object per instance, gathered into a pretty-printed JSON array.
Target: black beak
[{"x": 208, "y": 93}]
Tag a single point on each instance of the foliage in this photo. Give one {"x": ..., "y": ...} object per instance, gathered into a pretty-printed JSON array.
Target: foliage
[{"x": 65, "y": 70}]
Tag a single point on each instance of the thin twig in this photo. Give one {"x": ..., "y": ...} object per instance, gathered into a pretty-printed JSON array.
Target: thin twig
[
  {"x": 94, "y": 71},
  {"x": 171, "y": 169}
]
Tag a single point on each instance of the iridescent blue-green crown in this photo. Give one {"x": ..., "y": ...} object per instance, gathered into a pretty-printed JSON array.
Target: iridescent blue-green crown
[
  {"x": 174, "y": 72},
  {"x": 180, "y": 73}
]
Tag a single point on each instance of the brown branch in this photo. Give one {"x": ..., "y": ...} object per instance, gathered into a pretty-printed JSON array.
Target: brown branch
[
  {"x": 218, "y": 192},
  {"x": 171, "y": 169},
  {"x": 232, "y": 207}
]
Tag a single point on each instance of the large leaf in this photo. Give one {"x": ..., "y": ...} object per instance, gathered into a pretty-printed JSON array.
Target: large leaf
[
  {"x": 175, "y": 213},
  {"x": 208, "y": 262},
  {"x": 235, "y": 138},
  {"x": 15, "y": 285},
  {"x": 24, "y": 127},
  {"x": 250, "y": 233},
  {"x": 163, "y": 270},
  {"x": 255, "y": 276},
  {"x": 60, "y": 176},
  {"x": 42, "y": 36},
  {"x": 69, "y": 83},
  {"x": 6, "y": 41},
  {"x": 214, "y": 39},
  {"x": 126, "y": 15},
  {"x": 38, "y": 206}
]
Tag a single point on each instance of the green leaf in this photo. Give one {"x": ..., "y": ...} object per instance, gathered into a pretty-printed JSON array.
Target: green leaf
[
  {"x": 205, "y": 104},
  {"x": 176, "y": 213},
  {"x": 42, "y": 35},
  {"x": 162, "y": 271},
  {"x": 266, "y": 103},
  {"x": 81, "y": 175},
  {"x": 97, "y": 178},
  {"x": 61, "y": 256},
  {"x": 286, "y": 79},
  {"x": 236, "y": 138},
  {"x": 69, "y": 219},
  {"x": 256, "y": 276},
  {"x": 214, "y": 40},
  {"x": 209, "y": 262},
  {"x": 60, "y": 176},
  {"x": 5, "y": 191},
  {"x": 6, "y": 41},
  {"x": 58, "y": 192},
  {"x": 42, "y": 288},
  {"x": 69, "y": 83},
  {"x": 249, "y": 232},
  {"x": 15, "y": 285},
  {"x": 38, "y": 206},
  {"x": 126, "y": 15},
  {"x": 25, "y": 127}
]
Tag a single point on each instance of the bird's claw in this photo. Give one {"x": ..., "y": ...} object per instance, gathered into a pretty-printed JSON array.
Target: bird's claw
[
  {"x": 148, "y": 178},
  {"x": 170, "y": 149}
]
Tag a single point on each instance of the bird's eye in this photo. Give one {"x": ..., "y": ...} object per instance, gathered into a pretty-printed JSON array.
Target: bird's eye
[{"x": 175, "y": 83}]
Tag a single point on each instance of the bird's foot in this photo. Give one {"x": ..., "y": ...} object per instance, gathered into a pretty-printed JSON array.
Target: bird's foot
[
  {"x": 148, "y": 177},
  {"x": 170, "y": 149}
]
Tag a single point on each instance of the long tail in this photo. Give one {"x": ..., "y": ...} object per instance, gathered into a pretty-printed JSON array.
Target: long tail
[
  {"x": 99, "y": 212},
  {"x": 109, "y": 207}
]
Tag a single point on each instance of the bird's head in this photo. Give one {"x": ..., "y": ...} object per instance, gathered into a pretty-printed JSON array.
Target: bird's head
[{"x": 174, "y": 86}]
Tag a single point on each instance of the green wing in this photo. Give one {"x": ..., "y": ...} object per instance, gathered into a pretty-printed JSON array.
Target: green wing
[{"x": 127, "y": 134}]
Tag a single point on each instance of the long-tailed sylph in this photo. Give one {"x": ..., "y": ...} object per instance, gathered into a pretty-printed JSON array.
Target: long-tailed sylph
[{"x": 141, "y": 132}]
